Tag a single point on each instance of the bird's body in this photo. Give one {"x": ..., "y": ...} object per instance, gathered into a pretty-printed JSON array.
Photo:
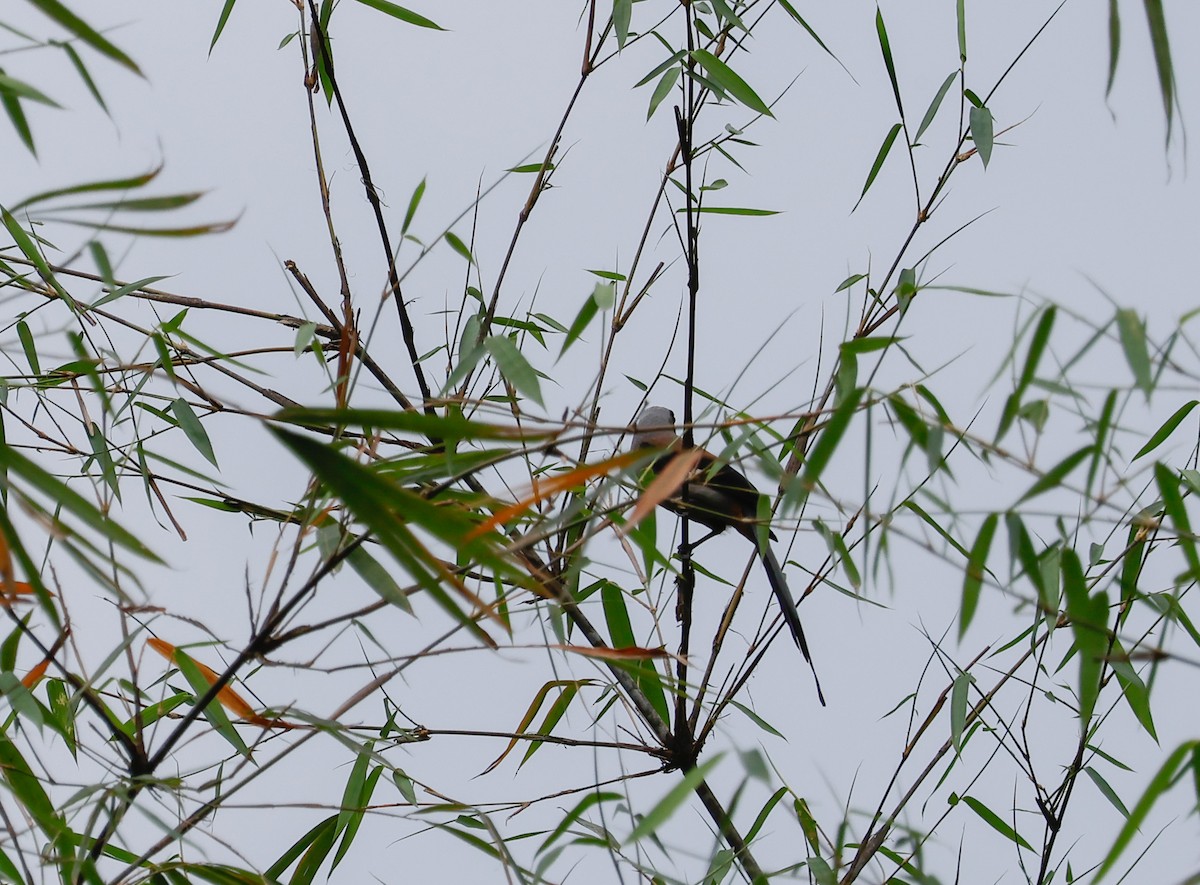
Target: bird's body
[{"x": 718, "y": 497}]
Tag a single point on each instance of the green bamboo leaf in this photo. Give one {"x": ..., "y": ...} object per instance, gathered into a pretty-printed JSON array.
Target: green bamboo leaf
[
  {"x": 868, "y": 345},
  {"x": 28, "y": 790},
  {"x": 402, "y": 13},
  {"x": 622, "y": 13},
  {"x": 213, "y": 711},
  {"x": 356, "y": 797},
  {"x": 822, "y": 872},
  {"x": 101, "y": 451},
  {"x": 729, "y": 210},
  {"x": 1133, "y": 689},
  {"x": 576, "y": 813},
  {"x": 1106, "y": 791},
  {"x": 222, "y": 20},
  {"x": 459, "y": 246},
  {"x": 164, "y": 203},
  {"x": 122, "y": 291},
  {"x": 729, "y": 81},
  {"x": 933, "y": 524},
  {"x": 616, "y": 616},
  {"x": 601, "y": 298},
  {"x": 387, "y": 509},
  {"x": 959, "y": 705},
  {"x": 1137, "y": 353},
  {"x": 961, "y": 17},
  {"x": 935, "y": 105},
  {"x": 850, "y": 281},
  {"x": 1037, "y": 347},
  {"x": 193, "y": 429},
  {"x": 1021, "y": 549},
  {"x": 62, "y": 711},
  {"x": 315, "y": 852},
  {"x": 1167, "y": 428},
  {"x": 828, "y": 439},
  {"x": 878, "y": 164},
  {"x": 378, "y": 578},
  {"x": 981, "y": 124},
  {"x": 727, "y": 15},
  {"x": 513, "y": 366},
  {"x": 29, "y": 346},
  {"x": 1157, "y": 21},
  {"x": 758, "y": 720},
  {"x": 1168, "y": 488},
  {"x": 288, "y": 858},
  {"x": 662, "y": 89},
  {"x": 1053, "y": 477},
  {"x": 81, "y": 29},
  {"x": 566, "y": 694},
  {"x": 413, "y": 202},
  {"x": 838, "y": 551},
  {"x": 885, "y": 47},
  {"x": 8, "y": 870},
  {"x": 791, "y": 10},
  {"x": 1159, "y": 784},
  {"x": 1114, "y": 44},
  {"x": 808, "y": 825},
  {"x": 620, "y": 632},
  {"x": 70, "y": 501},
  {"x": 15, "y": 88},
  {"x": 30, "y": 250},
  {"x": 996, "y": 822},
  {"x": 1100, "y": 449},
  {"x": 674, "y": 798},
  {"x": 16, "y": 116},
  {"x": 976, "y": 568},
  {"x": 84, "y": 74},
  {"x": 113, "y": 184},
  {"x": 671, "y": 61},
  {"x": 1088, "y": 614},
  {"x": 452, "y": 426},
  {"x": 185, "y": 230}
]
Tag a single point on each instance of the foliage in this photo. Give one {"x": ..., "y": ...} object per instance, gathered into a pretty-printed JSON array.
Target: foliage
[{"x": 432, "y": 522}]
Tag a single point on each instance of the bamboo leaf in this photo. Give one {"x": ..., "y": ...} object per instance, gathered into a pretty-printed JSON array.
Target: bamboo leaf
[
  {"x": 402, "y": 14},
  {"x": 935, "y": 104},
  {"x": 976, "y": 568},
  {"x": 1158, "y": 786},
  {"x": 675, "y": 798},
  {"x": 512, "y": 364},
  {"x": 190, "y": 424},
  {"x": 981, "y": 124},
  {"x": 82, "y": 30},
  {"x": 878, "y": 164},
  {"x": 1053, "y": 477},
  {"x": 222, "y": 20},
  {"x": 994, "y": 821},
  {"x": 1167, "y": 428},
  {"x": 1132, "y": 332},
  {"x": 729, "y": 81}
]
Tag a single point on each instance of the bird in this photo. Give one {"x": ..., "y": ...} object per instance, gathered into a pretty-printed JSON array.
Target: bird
[{"x": 719, "y": 497}]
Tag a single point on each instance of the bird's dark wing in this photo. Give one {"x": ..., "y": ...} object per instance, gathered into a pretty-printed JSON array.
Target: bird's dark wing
[{"x": 716, "y": 499}]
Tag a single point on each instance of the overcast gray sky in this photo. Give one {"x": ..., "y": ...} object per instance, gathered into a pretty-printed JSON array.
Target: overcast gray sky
[{"x": 1081, "y": 197}]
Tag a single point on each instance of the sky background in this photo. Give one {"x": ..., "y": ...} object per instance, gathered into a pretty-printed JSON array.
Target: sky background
[{"x": 1082, "y": 204}]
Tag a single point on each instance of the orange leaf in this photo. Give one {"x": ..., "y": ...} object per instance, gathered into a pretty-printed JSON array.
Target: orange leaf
[
  {"x": 664, "y": 486},
  {"x": 628, "y": 653},
  {"x": 34, "y": 676},
  {"x": 229, "y": 698},
  {"x": 14, "y": 589},
  {"x": 546, "y": 488}
]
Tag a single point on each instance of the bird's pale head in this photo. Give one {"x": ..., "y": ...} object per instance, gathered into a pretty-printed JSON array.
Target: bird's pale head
[{"x": 654, "y": 427}]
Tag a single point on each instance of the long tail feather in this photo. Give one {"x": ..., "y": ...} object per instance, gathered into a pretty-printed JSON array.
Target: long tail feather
[{"x": 788, "y": 606}]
